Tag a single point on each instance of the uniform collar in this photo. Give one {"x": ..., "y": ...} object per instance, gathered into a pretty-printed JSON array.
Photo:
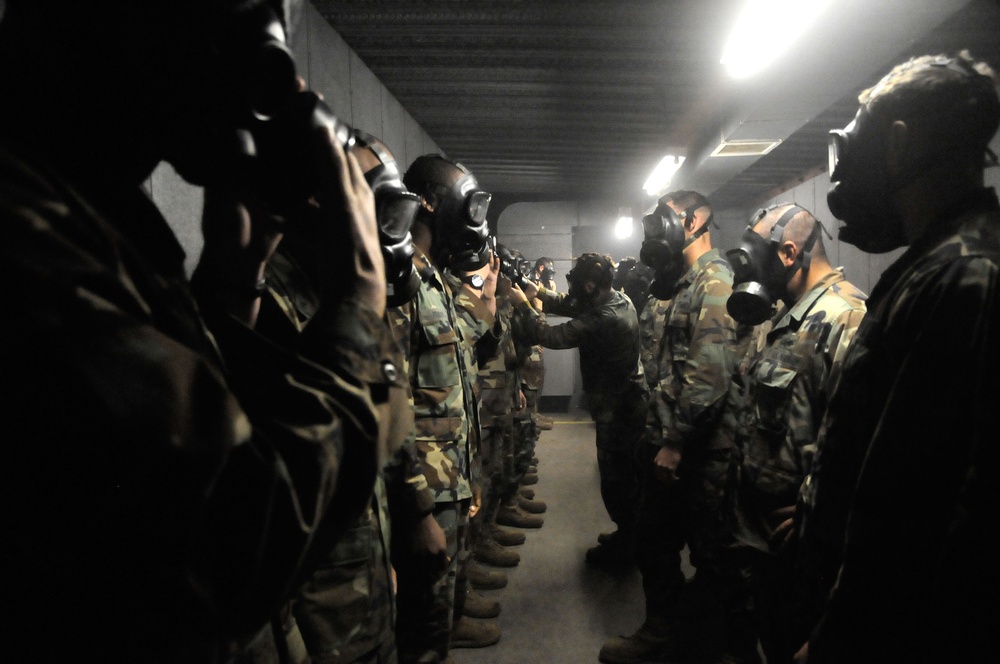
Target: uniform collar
[
  {"x": 793, "y": 317},
  {"x": 703, "y": 260}
]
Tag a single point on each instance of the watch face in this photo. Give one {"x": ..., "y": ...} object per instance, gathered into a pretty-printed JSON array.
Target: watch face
[{"x": 476, "y": 281}]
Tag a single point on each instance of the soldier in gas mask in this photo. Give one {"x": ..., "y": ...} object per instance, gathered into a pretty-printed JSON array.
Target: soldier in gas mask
[
  {"x": 169, "y": 485},
  {"x": 454, "y": 261},
  {"x": 345, "y": 611},
  {"x": 778, "y": 406},
  {"x": 684, "y": 457},
  {"x": 903, "y": 495},
  {"x": 606, "y": 330}
]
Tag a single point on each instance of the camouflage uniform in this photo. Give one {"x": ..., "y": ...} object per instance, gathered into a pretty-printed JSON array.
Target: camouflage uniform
[
  {"x": 346, "y": 610},
  {"x": 530, "y": 370},
  {"x": 440, "y": 366},
  {"x": 173, "y": 483},
  {"x": 911, "y": 433},
  {"x": 695, "y": 367},
  {"x": 779, "y": 413},
  {"x": 496, "y": 385},
  {"x": 652, "y": 318},
  {"x": 608, "y": 337}
]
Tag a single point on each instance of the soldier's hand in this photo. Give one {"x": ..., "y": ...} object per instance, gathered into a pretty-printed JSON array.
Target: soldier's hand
[
  {"x": 503, "y": 286},
  {"x": 517, "y": 295},
  {"x": 239, "y": 238},
  {"x": 430, "y": 544},
  {"x": 665, "y": 464},
  {"x": 522, "y": 401},
  {"x": 530, "y": 289},
  {"x": 477, "y": 501},
  {"x": 490, "y": 285},
  {"x": 347, "y": 200},
  {"x": 783, "y": 527}
]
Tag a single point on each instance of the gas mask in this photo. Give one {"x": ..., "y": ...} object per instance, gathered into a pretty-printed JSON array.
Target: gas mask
[
  {"x": 861, "y": 188},
  {"x": 260, "y": 130},
  {"x": 664, "y": 244},
  {"x": 546, "y": 273},
  {"x": 760, "y": 278},
  {"x": 461, "y": 234},
  {"x": 395, "y": 210},
  {"x": 588, "y": 268}
]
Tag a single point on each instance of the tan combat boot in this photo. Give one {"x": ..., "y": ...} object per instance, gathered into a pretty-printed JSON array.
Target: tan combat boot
[
  {"x": 470, "y": 633},
  {"x": 491, "y": 553}
]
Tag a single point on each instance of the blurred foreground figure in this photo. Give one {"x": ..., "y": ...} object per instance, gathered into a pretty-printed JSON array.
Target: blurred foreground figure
[
  {"x": 905, "y": 490},
  {"x": 171, "y": 475}
]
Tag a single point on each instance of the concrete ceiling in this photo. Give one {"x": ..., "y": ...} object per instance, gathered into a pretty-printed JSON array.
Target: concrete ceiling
[{"x": 579, "y": 99}]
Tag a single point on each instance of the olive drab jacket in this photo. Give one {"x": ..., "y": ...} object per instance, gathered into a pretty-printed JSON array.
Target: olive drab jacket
[
  {"x": 783, "y": 398},
  {"x": 906, "y": 477},
  {"x": 441, "y": 366},
  {"x": 697, "y": 357},
  {"x": 165, "y": 485}
]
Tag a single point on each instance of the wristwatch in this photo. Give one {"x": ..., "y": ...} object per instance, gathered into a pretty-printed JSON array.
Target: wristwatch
[{"x": 474, "y": 280}]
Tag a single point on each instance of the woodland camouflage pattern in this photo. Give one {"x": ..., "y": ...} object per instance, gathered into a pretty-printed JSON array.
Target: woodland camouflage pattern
[
  {"x": 652, "y": 318},
  {"x": 696, "y": 359},
  {"x": 786, "y": 394},
  {"x": 438, "y": 360}
]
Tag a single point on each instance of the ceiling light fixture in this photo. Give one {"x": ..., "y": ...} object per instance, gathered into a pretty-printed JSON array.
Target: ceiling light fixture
[
  {"x": 623, "y": 229},
  {"x": 764, "y": 30},
  {"x": 661, "y": 176}
]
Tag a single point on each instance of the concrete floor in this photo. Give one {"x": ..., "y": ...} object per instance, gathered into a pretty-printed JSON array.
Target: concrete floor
[{"x": 556, "y": 609}]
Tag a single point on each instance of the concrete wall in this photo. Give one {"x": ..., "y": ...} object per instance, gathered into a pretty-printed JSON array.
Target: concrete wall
[{"x": 348, "y": 86}]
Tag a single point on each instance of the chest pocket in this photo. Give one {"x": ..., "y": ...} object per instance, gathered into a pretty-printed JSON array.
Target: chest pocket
[
  {"x": 774, "y": 375},
  {"x": 437, "y": 365}
]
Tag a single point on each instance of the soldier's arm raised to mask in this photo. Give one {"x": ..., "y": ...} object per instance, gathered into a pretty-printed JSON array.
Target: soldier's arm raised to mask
[{"x": 706, "y": 371}]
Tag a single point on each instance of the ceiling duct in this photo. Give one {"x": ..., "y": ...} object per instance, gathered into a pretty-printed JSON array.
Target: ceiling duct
[{"x": 751, "y": 148}]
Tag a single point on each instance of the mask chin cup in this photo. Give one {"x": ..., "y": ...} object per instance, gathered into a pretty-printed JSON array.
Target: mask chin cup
[
  {"x": 750, "y": 303},
  {"x": 402, "y": 290}
]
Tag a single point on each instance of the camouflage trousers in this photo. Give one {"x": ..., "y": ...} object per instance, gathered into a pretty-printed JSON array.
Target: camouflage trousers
[
  {"x": 688, "y": 511},
  {"x": 522, "y": 446},
  {"x": 619, "y": 422},
  {"x": 769, "y": 603},
  {"x": 345, "y": 611},
  {"x": 427, "y": 611},
  {"x": 497, "y": 469}
]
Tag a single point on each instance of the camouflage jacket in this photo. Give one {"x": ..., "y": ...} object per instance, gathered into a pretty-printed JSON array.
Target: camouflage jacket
[
  {"x": 346, "y": 607},
  {"x": 787, "y": 389},
  {"x": 909, "y": 446},
  {"x": 696, "y": 359},
  {"x": 438, "y": 361},
  {"x": 651, "y": 321},
  {"x": 171, "y": 483},
  {"x": 496, "y": 382},
  {"x": 607, "y": 335}
]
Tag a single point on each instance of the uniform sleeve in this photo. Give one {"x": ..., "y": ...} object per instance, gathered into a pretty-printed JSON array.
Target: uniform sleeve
[
  {"x": 566, "y": 335},
  {"x": 706, "y": 373}
]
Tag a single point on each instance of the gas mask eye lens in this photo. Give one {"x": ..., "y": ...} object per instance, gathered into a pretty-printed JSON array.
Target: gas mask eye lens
[
  {"x": 396, "y": 212},
  {"x": 836, "y": 147},
  {"x": 479, "y": 203}
]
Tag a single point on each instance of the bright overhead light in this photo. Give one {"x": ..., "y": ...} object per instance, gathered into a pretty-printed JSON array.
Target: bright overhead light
[
  {"x": 660, "y": 178},
  {"x": 764, "y": 30},
  {"x": 623, "y": 229}
]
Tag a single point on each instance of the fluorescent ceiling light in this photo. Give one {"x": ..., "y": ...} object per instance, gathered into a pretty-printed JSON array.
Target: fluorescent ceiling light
[
  {"x": 764, "y": 30},
  {"x": 749, "y": 148},
  {"x": 660, "y": 178},
  {"x": 623, "y": 229}
]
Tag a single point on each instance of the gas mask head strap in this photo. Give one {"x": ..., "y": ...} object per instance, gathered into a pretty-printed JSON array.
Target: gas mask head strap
[{"x": 804, "y": 258}]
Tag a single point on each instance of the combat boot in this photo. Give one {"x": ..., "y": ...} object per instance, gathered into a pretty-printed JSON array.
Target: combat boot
[
  {"x": 478, "y": 605},
  {"x": 529, "y": 479},
  {"x": 614, "y": 552},
  {"x": 532, "y": 506},
  {"x": 481, "y": 578},
  {"x": 469, "y": 633},
  {"x": 645, "y": 645},
  {"x": 543, "y": 422},
  {"x": 532, "y": 470},
  {"x": 491, "y": 553},
  {"x": 534, "y": 461},
  {"x": 505, "y": 537},
  {"x": 513, "y": 516},
  {"x": 606, "y": 538},
  {"x": 526, "y": 492}
]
